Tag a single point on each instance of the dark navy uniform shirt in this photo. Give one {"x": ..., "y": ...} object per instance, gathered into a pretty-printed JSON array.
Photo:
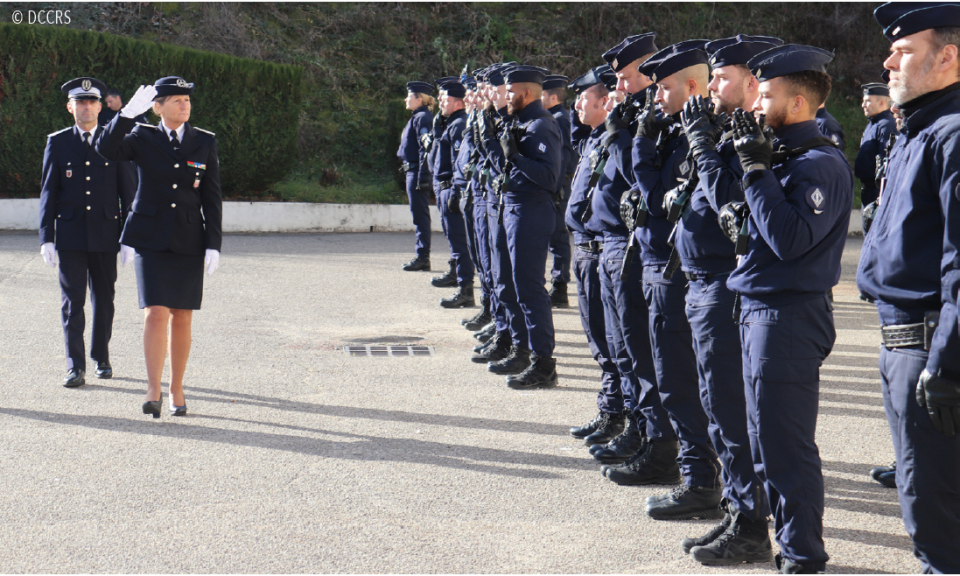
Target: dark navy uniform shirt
[
  {"x": 569, "y": 155},
  {"x": 446, "y": 147},
  {"x": 701, "y": 243},
  {"x": 462, "y": 159},
  {"x": 536, "y": 168},
  {"x": 410, "y": 150},
  {"x": 910, "y": 262},
  {"x": 800, "y": 213},
  {"x": 579, "y": 191},
  {"x": 178, "y": 206},
  {"x": 874, "y": 143},
  {"x": 83, "y": 196},
  {"x": 654, "y": 181},
  {"x": 605, "y": 220},
  {"x": 830, "y": 128}
]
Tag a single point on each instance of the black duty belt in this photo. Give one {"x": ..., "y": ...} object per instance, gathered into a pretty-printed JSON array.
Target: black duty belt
[
  {"x": 696, "y": 277},
  {"x": 593, "y": 247},
  {"x": 902, "y": 335},
  {"x": 445, "y": 185}
]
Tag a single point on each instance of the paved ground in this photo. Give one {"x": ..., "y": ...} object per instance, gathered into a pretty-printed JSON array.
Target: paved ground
[{"x": 298, "y": 458}]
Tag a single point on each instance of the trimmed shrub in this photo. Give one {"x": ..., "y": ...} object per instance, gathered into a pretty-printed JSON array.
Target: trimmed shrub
[{"x": 252, "y": 106}]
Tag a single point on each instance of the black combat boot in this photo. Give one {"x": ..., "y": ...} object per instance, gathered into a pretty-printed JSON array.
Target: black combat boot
[
  {"x": 481, "y": 318},
  {"x": 787, "y": 566},
  {"x": 744, "y": 540},
  {"x": 417, "y": 264},
  {"x": 448, "y": 280},
  {"x": 886, "y": 475},
  {"x": 487, "y": 332},
  {"x": 688, "y": 544},
  {"x": 541, "y": 374},
  {"x": 515, "y": 363},
  {"x": 497, "y": 348},
  {"x": 462, "y": 299},
  {"x": 607, "y": 430},
  {"x": 558, "y": 295},
  {"x": 686, "y": 502},
  {"x": 621, "y": 448},
  {"x": 656, "y": 464},
  {"x": 600, "y": 420}
]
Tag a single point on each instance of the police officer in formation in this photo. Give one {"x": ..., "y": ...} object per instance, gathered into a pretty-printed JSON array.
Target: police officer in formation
[
  {"x": 554, "y": 98},
  {"x": 909, "y": 268},
  {"x": 415, "y": 170},
  {"x": 877, "y": 136},
  {"x": 84, "y": 201}
]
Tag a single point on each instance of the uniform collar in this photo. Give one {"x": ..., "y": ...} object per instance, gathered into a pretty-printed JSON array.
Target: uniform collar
[
  {"x": 79, "y": 132},
  {"x": 179, "y": 131},
  {"x": 921, "y": 111},
  {"x": 530, "y": 111},
  {"x": 457, "y": 115},
  {"x": 558, "y": 108},
  {"x": 422, "y": 108},
  {"x": 598, "y": 131},
  {"x": 880, "y": 116},
  {"x": 795, "y": 135}
]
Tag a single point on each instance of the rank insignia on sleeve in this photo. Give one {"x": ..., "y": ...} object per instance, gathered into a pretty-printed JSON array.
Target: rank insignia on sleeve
[
  {"x": 816, "y": 199},
  {"x": 197, "y": 165},
  {"x": 542, "y": 147}
]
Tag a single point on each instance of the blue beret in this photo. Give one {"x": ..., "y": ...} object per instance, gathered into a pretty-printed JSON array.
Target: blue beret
[
  {"x": 173, "y": 86},
  {"x": 84, "y": 88},
  {"x": 418, "y": 87},
  {"x": 555, "y": 81},
  {"x": 789, "y": 59},
  {"x": 522, "y": 73},
  {"x": 592, "y": 77},
  {"x": 900, "y": 19},
  {"x": 454, "y": 88},
  {"x": 740, "y": 50},
  {"x": 630, "y": 49},
  {"x": 875, "y": 89},
  {"x": 674, "y": 58}
]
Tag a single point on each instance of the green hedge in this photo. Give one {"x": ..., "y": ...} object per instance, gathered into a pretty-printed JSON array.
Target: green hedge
[{"x": 252, "y": 106}]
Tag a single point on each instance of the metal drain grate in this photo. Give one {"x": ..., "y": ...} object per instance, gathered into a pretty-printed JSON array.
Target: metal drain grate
[{"x": 388, "y": 350}]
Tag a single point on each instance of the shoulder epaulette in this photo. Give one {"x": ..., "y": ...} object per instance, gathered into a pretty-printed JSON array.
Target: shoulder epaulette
[
  {"x": 59, "y": 132},
  {"x": 146, "y": 125},
  {"x": 205, "y": 131}
]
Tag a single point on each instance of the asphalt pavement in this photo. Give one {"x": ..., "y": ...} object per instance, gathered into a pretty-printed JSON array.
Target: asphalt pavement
[{"x": 296, "y": 457}]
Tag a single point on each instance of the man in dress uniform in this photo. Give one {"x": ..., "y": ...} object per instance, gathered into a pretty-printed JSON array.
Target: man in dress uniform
[
  {"x": 799, "y": 208},
  {"x": 554, "y": 100},
  {"x": 416, "y": 172},
  {"x": 661, "y": 164},
  {"x": 531, "y": 149},
  {"x": 881, "y": 125},
  {"x": 446, "y": 148},
  {"x": 707, "y": 259},
  {"x": 84, "y": 199},
  {"x": 909, "y": 267},
  {"x": 592, "y": 97}
]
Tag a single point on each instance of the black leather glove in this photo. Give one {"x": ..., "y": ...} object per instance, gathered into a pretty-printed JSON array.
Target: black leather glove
[
  {"x": 509, "y": 144},
  {"x": 615, "y": 122},
  {"x": 702, "y": 127},
  {"x": 731, "y": 217},
  {"x": 453, "y": 202},
  {"x": 439, "y": 123},
  {"x": 941, "y": 398},
  {"x": 629, "y": 202},
  {"x": 650, "y": 123},
  {"x": 753, "y": 142}
]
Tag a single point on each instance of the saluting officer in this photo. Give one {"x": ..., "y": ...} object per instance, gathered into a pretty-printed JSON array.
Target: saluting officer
[
  {"x": 799, "y": 203},
  {"x": 414, "y": 167},
  {"x": 707, "y": 259},
  {"x": 909, "y": 266},
  {"x": 174, "y": 228},
  {"x": 83, "y": 200},
  {"x": 881, "y": 126},
  {"x": 554, "y": 99}
]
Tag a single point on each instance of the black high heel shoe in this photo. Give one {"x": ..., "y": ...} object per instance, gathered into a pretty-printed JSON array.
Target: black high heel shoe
[
  {"x": 154, "y": 407},
  {"x": 178, "y": 410}
]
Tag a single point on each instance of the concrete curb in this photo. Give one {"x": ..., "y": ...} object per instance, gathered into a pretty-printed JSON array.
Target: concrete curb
[{"x": 23, "y": 214}]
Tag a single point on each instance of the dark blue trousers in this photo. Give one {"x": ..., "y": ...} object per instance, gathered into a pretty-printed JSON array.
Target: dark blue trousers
[
  {"x": 528, "y": 227},
  {"x": 78, "y": 270},
  {"x": 928, "y": 464},
  {"x": 469, "y": 218},
  {"x": 481, "y": 223},
  {"x": 508, "y": 315},
  {"x": 676, "y": 366},
  {"x": 455, "y": 229},
  {"x": 586, "y": 267},
  {"x": 420, "y": 208},
  {"x": 560, "y": 246},
  {"x": 625, "y": 313},
  {"x": 783, "y": 348},
  {"x": 716, "y": 343}
]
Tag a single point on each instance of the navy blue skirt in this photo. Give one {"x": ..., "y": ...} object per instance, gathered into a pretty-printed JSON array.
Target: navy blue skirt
[{"x": 169, "y": 279}]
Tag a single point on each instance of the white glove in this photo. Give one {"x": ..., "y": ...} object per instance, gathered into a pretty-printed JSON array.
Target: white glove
[
  {"x": 49, "y": 253},
  {"x": 140, "y": 103},
  {"x": 212, "y": 261},
  {"x": 126, "y": 254}
]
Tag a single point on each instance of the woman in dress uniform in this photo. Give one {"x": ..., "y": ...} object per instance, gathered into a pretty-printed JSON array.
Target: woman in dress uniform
[
  {"x": 413, "y": 158},
  {"x": 174, "y": 228}
]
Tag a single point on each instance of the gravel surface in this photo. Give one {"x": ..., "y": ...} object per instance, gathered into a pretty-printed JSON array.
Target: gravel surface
[{"x": 298, "y": 458}]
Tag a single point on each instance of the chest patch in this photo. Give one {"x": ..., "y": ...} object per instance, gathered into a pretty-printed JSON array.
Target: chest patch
[
  {"x": 816, "y": 200},
  {"x": 542, "y": 147}
]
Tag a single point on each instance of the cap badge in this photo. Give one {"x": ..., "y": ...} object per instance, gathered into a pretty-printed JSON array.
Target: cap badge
[
  {"x": 895, "y": 31},
  {"x": 614, "y": 63},
  {"x": 181, "y": 83},
  {"x": 86, "y": 85}
]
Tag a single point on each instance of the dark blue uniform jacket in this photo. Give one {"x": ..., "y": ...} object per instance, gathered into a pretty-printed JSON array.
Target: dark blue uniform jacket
[
  {"x": 910, "y": 262},
  {"x": 800, "y": 212},
  {"x": 874, "y": 142},
  {"x": 410, "y": 150},
  {"x": 447, "y": 146},
  {"x": 536, "y": 168},
  {"x": 178, "y": 206},
  {"x": 569, "y": 155},
  {"x": 830, "y": 128},
  {"x": 462, "y": 159},
  {"x": 579, "y": 191},
  {"x": 83, "y": 196},
  {"x": 605, "y": 220}
]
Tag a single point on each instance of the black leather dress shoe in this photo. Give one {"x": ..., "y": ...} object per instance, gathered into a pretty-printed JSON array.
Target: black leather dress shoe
[
  {"x": 886, "y": 475},
  {"x": 417, "y": 264},
  {"x": 104, "y": 370},
  {"x": 74, "y": 378},
  {"x": 178, "y": 410}
]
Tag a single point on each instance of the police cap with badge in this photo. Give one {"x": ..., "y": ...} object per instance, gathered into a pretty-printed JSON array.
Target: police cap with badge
[
  {"x": 452, "y": 87},
  {"x": 84, "y": 88},
  {"x": 876, "y": 89},
  {"x": 632, "y": 48},
  {"x": 598, "y": 75},
  {"x": 739, "y": 49},
  {"x": 173, "y": 86},
  {"x": 901, "y": 19},
  {"x": 675, "y": 58},
  {"x": 789, "y": 59},
  {"x": 417, "y": 87},
  {"x": 525, "y": 74}
]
